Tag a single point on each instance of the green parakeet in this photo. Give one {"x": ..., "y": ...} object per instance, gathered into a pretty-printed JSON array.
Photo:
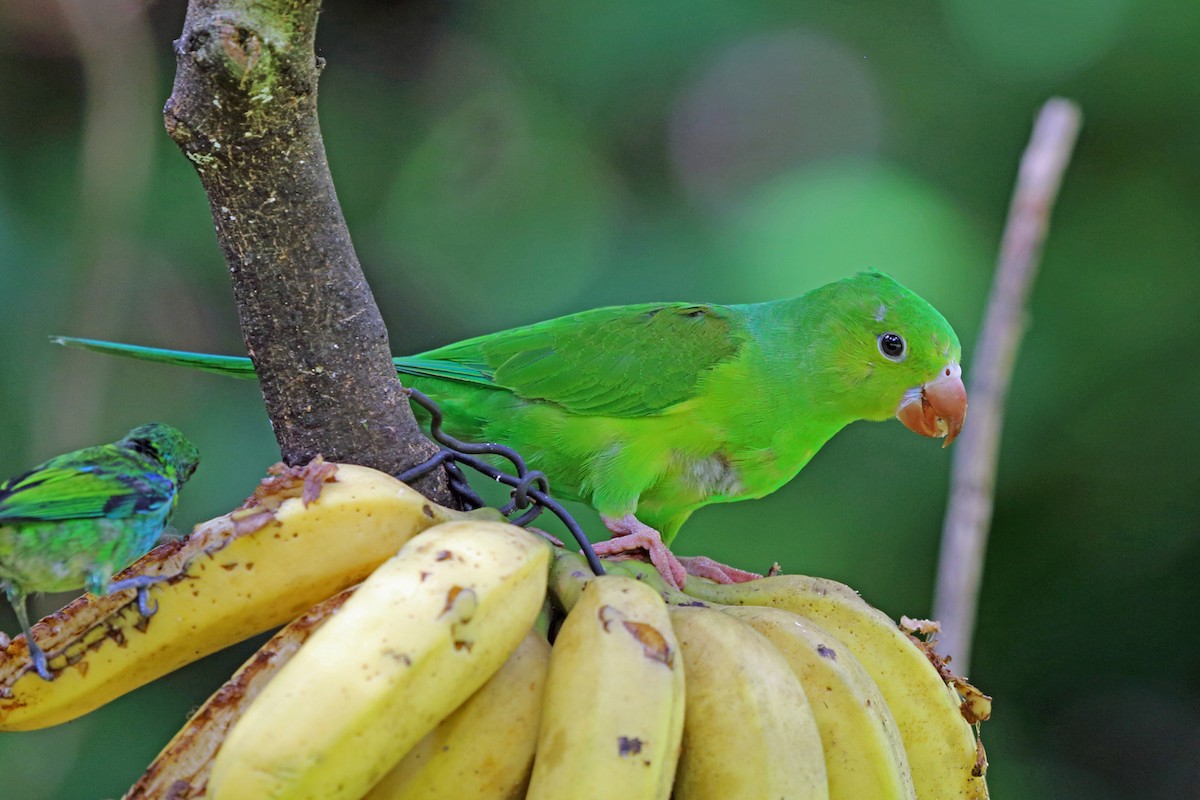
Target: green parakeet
[
  {"x": 73, "y": 521},
  {"x": 649, "y": 412}
]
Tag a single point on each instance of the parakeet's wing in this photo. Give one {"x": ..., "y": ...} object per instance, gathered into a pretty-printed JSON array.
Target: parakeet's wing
[
  {"x": 623, "y": 361},
  {"x": 73, "y": 491}
]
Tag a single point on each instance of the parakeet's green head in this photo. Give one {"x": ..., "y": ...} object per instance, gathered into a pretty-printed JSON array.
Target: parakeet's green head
[
  {"x": 166, "y": 445},
  {"x": 889, "y": 353}
]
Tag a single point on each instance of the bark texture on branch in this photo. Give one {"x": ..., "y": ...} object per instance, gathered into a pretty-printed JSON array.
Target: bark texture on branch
[{"x": 244, "y": 112}]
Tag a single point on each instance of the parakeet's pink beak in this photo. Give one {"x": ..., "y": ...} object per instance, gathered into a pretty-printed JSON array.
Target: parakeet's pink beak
[{"x": 937, "y": 408}]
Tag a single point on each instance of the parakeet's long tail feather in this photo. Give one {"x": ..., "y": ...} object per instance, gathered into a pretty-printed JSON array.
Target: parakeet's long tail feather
[
  {"x": 236, "y": 366},
  {"x": 241, "y": 367}
]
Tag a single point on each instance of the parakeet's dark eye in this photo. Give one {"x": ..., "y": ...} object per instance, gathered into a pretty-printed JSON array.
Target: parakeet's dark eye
[{"x": 892, "y": 346}]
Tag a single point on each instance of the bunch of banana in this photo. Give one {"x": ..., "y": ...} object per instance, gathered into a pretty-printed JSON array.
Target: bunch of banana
[
  {"x": 417, "y": 664},
  {"x": 943, "y": 752},
  {"x": 793, "y": 687},
  {"x": 887, "y": 714}
]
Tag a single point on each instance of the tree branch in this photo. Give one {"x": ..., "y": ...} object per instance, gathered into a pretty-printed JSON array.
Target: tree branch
[
  {"x": 244, "y": 111},
  {"x": 973, "y": 478}
]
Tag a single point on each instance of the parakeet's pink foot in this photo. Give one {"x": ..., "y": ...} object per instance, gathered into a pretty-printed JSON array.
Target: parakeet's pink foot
[
  {"x": 629, "y": 534},
  {"x": 705, "y": 567}
]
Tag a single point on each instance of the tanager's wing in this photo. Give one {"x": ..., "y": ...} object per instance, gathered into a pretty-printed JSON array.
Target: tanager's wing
[{"x": 59, "y": 491}]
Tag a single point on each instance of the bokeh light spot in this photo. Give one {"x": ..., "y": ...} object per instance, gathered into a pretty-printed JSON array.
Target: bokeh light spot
[
  {"x": 501, "y": 198},
  {"x": 768, "y": 103},
  {"x": 1032, "y": 39},
  {"x": 830, "y": 220}
]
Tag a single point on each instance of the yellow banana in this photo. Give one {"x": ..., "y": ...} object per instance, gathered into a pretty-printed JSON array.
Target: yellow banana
[
  {"x": 484, "y": 750},
  {"x": 181, "y": 770},
  {"x": 421, "y": 634},
  {"x": 864, "y": 756},
  {"x": 749, "y": 732},
  {"x": 939, "y": 742},
  {"x": 235, "y": 576},
  {"x": 614, "y": 705}
]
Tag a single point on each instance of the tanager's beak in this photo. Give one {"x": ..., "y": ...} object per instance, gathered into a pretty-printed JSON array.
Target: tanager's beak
[{"x": 937, "y": 408}]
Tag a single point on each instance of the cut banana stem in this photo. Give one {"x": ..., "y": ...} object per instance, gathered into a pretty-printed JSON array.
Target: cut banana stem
[
  {"x": 864, "y": 756},
  {"x": 483, "y": 750},
  {"x": 235, "y": 576},
  {"x": 614, "y": 704},
  {"x": 940, "y": 745},
  {"x": 420, "y": 636},
  {"x": 749, "y": 733},
  {"x": 181, "y": 770}
]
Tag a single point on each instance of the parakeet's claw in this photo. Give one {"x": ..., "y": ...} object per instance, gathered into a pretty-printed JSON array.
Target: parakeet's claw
[
  {"x": 142, "y": 583},
  {"x": 705, "y": 567},
  {"x": 629, "y": 534}
]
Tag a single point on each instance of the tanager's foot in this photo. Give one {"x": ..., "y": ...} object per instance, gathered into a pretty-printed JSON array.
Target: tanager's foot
[
  {"x": 142, "y": 583},
  {"x": 35, "y": 654},
  {"x": 705, "y": 567},
  {"x": 631, "y": 534},
  {"x": 38, "y": 658},
  {"x": 17, "y": 599}
]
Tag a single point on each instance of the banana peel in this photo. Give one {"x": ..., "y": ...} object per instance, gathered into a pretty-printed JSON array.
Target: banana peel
[{"x": 181, "y": 770}]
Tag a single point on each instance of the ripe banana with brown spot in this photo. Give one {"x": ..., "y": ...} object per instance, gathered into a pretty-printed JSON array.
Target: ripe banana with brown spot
[
  {"x": 749, "y": 733},
  {"x": 181, "y": 770},
  {"x": 484, "y": 750},
  {"x": 864, "y": 755},
  {"x": 940, "y": 744},
  {"x": 614, "y": 704},
  {"x": 418, "y": 637},
  {"x": 303, "y": 539}
]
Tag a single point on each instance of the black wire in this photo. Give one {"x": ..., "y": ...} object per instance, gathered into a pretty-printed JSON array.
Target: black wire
[{"x": 531, "y": 489}]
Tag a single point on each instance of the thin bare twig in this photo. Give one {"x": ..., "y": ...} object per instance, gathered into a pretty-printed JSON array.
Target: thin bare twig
[{"x": 973, "y": 477}]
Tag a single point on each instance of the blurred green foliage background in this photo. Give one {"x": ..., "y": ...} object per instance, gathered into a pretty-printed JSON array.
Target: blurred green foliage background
[{"x": 502, "y": 163}]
